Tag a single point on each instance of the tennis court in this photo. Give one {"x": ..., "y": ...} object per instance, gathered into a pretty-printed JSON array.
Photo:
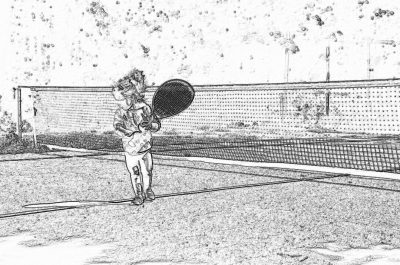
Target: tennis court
[
  {"x": 297, "y": 174},
  {"x": 205, "y": 213}
]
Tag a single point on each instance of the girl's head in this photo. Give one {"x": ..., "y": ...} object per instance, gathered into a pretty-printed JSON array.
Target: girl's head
[{"x": 131, "y": 87}]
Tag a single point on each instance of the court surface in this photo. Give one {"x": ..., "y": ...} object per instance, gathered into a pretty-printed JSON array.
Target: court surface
[{"x": 205, "y": 213}]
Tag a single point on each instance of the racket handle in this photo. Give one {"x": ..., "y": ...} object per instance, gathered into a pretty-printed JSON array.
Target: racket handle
[{"x": 157, "y": 120}]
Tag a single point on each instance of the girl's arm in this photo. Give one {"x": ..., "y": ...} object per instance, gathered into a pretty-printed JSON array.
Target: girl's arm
[
  {"x": 153, "y": 123},
  {"x": 119, "y": 124}
]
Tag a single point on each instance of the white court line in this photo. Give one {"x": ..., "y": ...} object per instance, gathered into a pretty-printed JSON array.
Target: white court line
[
  {"x": 356, "y": 172},
  {"x": 51, "y": 147}
]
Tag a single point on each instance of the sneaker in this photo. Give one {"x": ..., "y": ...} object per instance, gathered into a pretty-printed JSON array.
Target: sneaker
[
  {"x": 138, "y": 200},
  {"x": 150, "y": 195}
]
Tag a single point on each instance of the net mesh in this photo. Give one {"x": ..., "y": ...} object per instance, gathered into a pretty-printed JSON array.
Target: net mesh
[{"x": 353, "y": 124}]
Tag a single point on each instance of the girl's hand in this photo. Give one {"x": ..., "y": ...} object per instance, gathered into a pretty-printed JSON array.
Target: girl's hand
[
  {"x": 145, "y": 126},
  {"x": 153, "y": 125}
]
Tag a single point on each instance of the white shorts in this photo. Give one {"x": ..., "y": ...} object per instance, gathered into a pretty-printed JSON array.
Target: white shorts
[
  {"x": 141, "y": 162},
  {"x": 137, "y": 144}
]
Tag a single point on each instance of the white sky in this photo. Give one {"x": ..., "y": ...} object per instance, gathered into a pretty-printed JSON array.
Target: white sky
[{"x": 244, "y": 54}]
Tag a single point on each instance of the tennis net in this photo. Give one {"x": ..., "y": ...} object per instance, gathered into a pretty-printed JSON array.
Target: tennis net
[{"x": 346, "y": 124}]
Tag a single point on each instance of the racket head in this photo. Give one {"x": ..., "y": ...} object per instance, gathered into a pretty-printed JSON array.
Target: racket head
[{"x": 172, "y": 97}]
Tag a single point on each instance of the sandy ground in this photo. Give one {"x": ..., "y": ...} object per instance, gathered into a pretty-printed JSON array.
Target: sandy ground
[
  {"x": 21, "y": 249},
  {"x": 330, "y": 221},
  {"x": 17, "y": 250}
]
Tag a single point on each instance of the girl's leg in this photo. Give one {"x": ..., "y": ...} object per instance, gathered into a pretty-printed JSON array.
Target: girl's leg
[
  {"x": 132, "y": 164},
  {"x": 146, "y": 167}
]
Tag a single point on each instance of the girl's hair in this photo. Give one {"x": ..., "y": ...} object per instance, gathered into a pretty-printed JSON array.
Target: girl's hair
[{"x": 135, "y": 75}]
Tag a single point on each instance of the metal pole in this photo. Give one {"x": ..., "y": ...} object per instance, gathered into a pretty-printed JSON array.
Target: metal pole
[
  {"x": 34, "y": 124},
  {"x": 19, "y": 108},
  {"x": 369, "y": 61},
  {"x": 328, "y": 78},
  {"x": 327, "y": 57},
  {"x": 283, "y": 95},
  {"x": 287, "y": 67}
]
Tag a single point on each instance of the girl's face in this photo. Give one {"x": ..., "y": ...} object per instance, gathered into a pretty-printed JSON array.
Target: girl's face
[
  {"x": 133, "y": 95},
  {"x": 128, "y": 103},
  {"x": 132, "y": 90}
]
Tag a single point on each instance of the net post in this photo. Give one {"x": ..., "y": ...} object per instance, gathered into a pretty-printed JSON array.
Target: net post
[{"x": 19, "y": 112}]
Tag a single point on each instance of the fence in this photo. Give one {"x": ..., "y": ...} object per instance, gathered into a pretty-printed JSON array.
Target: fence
[{"x": 268, "y": 110}]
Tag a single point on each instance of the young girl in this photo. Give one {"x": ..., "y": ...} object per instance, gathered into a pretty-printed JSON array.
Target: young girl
[{"x": 135, "y": 123}]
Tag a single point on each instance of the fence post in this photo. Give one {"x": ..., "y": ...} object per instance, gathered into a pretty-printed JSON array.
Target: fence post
[
  {"x": 19, "y": 108},
  {"x": 34, "y": 110},
  {"x": 283, "y": 96},
  {"x": 327, "y": 58},
  {"x": 328, "y": 78}
]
